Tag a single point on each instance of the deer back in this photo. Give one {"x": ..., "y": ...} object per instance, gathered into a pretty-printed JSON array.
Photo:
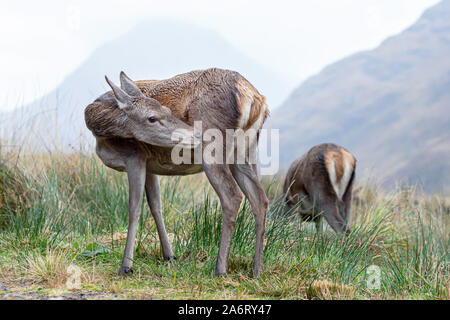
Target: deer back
[{"x": 221, "y": 99}]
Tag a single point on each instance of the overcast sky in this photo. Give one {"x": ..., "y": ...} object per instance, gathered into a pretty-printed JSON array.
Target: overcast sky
[{"x": 42, "y": 41}]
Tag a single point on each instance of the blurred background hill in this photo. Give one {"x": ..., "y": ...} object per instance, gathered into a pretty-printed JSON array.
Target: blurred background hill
[
  {"x": 390, "y": 106},
  {"x": 58, "y": 116}
]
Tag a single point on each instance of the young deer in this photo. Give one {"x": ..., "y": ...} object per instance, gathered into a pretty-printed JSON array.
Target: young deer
[
  {"x": 322, "y": 179},
  {"x": 134, "y": 126}
]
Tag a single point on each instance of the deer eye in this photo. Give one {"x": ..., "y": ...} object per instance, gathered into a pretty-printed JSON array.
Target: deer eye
[{"x": 152, "y": 119}]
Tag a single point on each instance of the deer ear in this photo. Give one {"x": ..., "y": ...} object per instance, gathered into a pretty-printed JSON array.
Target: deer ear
[
  {"x": 122, "y": 98},
  {"x": 129, "y": 86}
]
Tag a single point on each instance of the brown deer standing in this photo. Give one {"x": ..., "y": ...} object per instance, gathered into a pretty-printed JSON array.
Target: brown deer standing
[
  {"x": 134, "y": 126},
  {"x": 322, "y": 179}
]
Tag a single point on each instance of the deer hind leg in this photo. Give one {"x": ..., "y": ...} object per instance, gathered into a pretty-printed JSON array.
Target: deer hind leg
[
  {"x": 290, "y": 202},
  {"x": 248, "y": 181},
  {"x": 345, "y": 207},
  {"x": 230, "y": 199},
  {"x": 287, "y": 208},
  {"x": 154, "y": 202},
  {"x": 136, "y": 169}
]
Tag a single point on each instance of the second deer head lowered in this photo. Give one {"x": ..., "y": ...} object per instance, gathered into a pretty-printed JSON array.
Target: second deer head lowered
[{"x": 149, "y": 121}]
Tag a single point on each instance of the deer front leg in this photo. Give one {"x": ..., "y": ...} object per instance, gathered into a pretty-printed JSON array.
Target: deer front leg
[
  {"x": 136, "y": 180},
  {"x": 319, "y": 225},
  {"x": 154, "y": 201},
  {"x": 230, "y": 199}
]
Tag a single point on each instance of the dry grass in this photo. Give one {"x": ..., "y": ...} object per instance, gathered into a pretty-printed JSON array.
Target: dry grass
[
  {"x": 50, "y": 269},
  {"x": 324, "y": 289}
]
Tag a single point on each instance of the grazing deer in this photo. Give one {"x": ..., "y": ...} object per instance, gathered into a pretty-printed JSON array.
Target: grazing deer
[
  {"x": 134, "y": 127},
  {"x": 322, "y": 179}
]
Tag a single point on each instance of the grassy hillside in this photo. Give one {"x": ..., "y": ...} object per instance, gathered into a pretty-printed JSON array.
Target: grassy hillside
[{"x": 60, "y": 210}]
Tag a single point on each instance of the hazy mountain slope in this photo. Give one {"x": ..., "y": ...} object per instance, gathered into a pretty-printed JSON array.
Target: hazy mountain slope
[
  {"x": 389, "y": 106},
  {"x": 151, "y": 50}
]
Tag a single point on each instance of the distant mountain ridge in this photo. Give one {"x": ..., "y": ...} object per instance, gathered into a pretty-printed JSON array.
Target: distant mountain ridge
[
  {"x": 156, "y": 49},
  {"x": 389, "y": 106}
]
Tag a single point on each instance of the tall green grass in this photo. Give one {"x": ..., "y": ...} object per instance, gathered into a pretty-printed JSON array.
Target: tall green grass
[{"x": 72, "y": 204}]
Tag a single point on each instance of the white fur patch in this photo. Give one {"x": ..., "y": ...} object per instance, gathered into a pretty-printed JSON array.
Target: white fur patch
[
  {"x": 333, "y": 178},
  {"x": 340, "y": 187},
  {"x": 255, "y": 127},
  {"x": 120, "y": 104},
  {"x": 258, "y": 123},
  {"x": 345, "y": 178},
  {"x": 245, "y": 114}
]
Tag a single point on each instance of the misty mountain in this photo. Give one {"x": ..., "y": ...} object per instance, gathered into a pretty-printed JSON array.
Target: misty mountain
[
  {"x": 151, "y": 50},
  {"x": 389, "y": 106}
]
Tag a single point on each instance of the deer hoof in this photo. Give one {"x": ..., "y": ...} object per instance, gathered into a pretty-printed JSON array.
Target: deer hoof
[
  {"x": 125, "y": 271},
  {"x": 220, "y": 274},
  {"x": 257, "y": 272},
  {"x": 171, "y": 258}
]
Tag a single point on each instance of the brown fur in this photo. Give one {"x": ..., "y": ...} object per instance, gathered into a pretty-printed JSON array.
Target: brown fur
[
  {"x": 214, "y": 96},
  {"x": 308, "y": 179},
  {"x": 339, "y": 156},
  {"x": 258, "y": 105}
]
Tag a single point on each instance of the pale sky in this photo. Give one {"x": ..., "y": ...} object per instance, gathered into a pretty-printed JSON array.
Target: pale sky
[{"x": 43, "y": 41}]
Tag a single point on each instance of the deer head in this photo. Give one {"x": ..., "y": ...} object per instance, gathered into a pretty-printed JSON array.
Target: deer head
[{"x": 148, "y": 120}]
